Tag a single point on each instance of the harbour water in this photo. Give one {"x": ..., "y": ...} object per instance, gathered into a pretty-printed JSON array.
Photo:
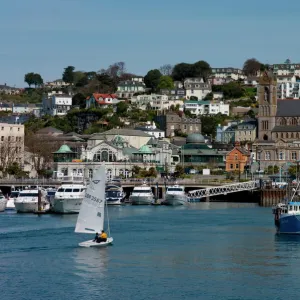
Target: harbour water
[{"x": 202, "y": 251}]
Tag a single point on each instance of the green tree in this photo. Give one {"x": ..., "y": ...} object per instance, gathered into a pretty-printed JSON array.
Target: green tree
[
  {"x": 209, "y": 96},
  {"x": 68, "y": 74},
  {"x": 182, "y": 71},
  {"x": 37, "y": 79},
  {"x": 201, "y": 69},
  {"x": 179, "y": 170},
  {"x": 251, "y": 67},
  {"x": 80, "y": 79},
  {"x": 122, "y": 108},
  {"x": 152, "y": 172},
  {"x": 29, "y": 78},
  {"x": 165, "y": 82},
  {"x": 79, "y": 99},
  {"x": 152, "y": 79},
  {"x": 136, "y": 170}
]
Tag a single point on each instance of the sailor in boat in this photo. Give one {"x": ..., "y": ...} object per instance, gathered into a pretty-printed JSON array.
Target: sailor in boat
[
  {"x": 96, "y": 237},
  {"x": 102, "y": 238}
]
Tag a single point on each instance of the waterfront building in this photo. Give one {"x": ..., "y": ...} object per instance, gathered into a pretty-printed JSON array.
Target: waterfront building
[
  {"x": 278, "y": 139},
  {"x": 237, "y": 159},
  {"x": 287, "y": 68},
  {"x": 197, "y": 152}
]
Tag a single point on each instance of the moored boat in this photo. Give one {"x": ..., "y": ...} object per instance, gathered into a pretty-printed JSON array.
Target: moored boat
[
  {"x": 10, "y": 205},
  {"x": 114, "y": 195},
  {"x": 27, "y": 201},
  {"x": 3, "y": 202},
  {"x": 142, "y": 195},
  {"x": 175, "y": 195},
  {"x": 69, "y": 196}
]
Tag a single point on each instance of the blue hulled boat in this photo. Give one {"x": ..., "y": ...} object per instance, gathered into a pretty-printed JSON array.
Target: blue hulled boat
[{"x": 287, "y": 217}]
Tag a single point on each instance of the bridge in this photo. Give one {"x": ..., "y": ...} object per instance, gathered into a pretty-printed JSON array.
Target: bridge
[{"x": 224, "y": 189}]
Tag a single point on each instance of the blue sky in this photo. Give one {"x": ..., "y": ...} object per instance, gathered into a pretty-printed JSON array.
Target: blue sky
[{"x": 45, "y": 36}]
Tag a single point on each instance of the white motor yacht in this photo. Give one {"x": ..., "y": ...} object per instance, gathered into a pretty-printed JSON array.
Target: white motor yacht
[
  {"x": 27, "y": 201},
  {"x": 3, "y": 202},
  {"x": 10, "y": 205},
  {"x": 175, "y": 195},
  {"x": 69, "y": 195},
  {"x": 114, "y": 195},
  {"x": 142, "y": 195}
]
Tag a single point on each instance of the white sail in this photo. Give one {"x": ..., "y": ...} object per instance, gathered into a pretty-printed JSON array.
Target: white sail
[{"x": 91, "y": 214}]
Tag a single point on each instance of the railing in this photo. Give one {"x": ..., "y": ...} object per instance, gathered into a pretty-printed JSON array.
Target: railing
[{"x": 223, "y": 190}]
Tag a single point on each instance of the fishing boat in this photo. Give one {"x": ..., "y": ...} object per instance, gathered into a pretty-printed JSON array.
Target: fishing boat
[
  {"x": 142, "y": 195},
  {"x": 287, "y": 215},
  {"x": 3, "y": 202},
  {"x": 92, "y": 211},
  {"x": 175, "y": 195}
]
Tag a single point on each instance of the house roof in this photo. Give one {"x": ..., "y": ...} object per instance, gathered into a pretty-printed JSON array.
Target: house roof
[
  {"x": 286, "y": 128},
  {"x": 103, "y": 96},
  {"x": 288, "y": 108},
  {"x": 64, "y": 149},
  {"x": 48, "y": 130},
  {"x": 148, "y": 129},
  {"x": 121, "y": 132},
  {"x": 243, "y": 151}
]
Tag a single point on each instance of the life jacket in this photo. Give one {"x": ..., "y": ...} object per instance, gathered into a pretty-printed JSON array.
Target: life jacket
[{"x": 103, "y": 235}]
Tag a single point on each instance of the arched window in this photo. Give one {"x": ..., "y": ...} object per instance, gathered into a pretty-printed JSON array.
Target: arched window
[
  {"x": 294, "y": 121},
  {"x": 276, "y": 135},
  {"x": 297, "y": 135},
  {"x": 282, "y": 122},
  {"x": 292, "y": 135},
  {"x": 265, "y": 137},
  {"x": 287, "y": 135},
  {"x": 281, "y": 135}
]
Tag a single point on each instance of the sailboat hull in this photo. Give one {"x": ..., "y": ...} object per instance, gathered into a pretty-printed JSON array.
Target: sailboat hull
[{"x": 91, "y": 243}]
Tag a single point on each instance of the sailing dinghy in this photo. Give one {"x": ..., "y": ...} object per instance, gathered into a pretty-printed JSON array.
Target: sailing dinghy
[{"x": 92, "y": 210}]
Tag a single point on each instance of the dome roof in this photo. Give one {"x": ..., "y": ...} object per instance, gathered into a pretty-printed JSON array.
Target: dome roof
[
  {"x": 145, "y": 149},
  {"x": 195, "y": 138},
  {"x": 64, "y": 149}
]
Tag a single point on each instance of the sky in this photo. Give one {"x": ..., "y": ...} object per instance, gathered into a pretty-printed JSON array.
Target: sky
[{"x": 45, "y": 36}]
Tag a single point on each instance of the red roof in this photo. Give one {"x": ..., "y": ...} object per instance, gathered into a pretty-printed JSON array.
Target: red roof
[{"x": 103, "y": 96}]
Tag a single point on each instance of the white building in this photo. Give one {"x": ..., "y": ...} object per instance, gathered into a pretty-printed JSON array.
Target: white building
[
  {"x": 127, "y": 88},
  {"x": 287, "y": 68},
  {"x": 56, "y": 104},
  {"x": 232, "y": 73},
  {"x": 196, "y": 87},
  {"x": 152, "y": 130},
  {"x": 11, "y": 144},
  {"x": 206, "y": 107},
  {"x": 288, "y": 87}
]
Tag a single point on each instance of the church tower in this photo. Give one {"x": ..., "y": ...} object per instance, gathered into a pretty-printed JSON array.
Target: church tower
[{"x": 267, "y": 100}]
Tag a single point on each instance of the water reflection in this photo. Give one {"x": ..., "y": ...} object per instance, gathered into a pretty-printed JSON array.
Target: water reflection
[
  {"x": 91, "y": 262},
  {"x": 220, "y": 205}
]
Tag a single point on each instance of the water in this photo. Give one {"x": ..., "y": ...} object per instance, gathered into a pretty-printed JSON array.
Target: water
[{"x": 204, "y": 251}]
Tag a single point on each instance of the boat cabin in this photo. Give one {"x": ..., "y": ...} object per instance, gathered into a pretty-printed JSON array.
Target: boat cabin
[
  {"x": 293, "y": 207},
  {"x": 175, "y": 188}
]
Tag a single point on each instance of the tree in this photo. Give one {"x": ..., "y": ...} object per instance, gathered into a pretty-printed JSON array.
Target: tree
[
  {"x": 68, "y": 74},
  {"x": 29, "y": 78},
  {"x": 80, "y": 79},
  {"x": 209, "y": 96},
  {"x": 136, "y": 170},
  {"x": 251, "y": 114},
  {"x": 79, "y": 99},
  {"x": 251, "y": 67},
  {"x": 37, "y": 79},
  {"x": 166, "y": 70},
  {"x": 165, "y": 82},
  {"x": 182, "y": 71},
  {"x": 152, "y": 79},
  {"x": 179, "y": 170},
  {"x": 122, "y": 108},
  {"x": 201, "y": 69}
]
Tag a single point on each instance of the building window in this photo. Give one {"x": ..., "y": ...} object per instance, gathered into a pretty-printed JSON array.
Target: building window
[
  {"x": 294, "y": 155},
  {"x": 2, "y": 138},
  {"x": 9, "y": 138},
  {"x": 2, "y": 128},
  {"x": 237, "y": 166},
  {"x": 236, "y": 157},
  {"x": 231, "y": 166},
  {"x": 267, "y": 155},
  {"x": 18, "y": 128},
  {"x": 281, "y": 155},
  {"x": 10, "y": 128}
]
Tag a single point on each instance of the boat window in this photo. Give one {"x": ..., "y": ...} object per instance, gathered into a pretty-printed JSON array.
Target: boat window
[
  {"x": 141, "y": 191},
  {"x": 82, "y": 190},
  {"x": 175, "y": 189},
  {"x": 76, "y": 190},
  {"x": 68, "y": 190},
  {"x": 291, "y": 207},
  {"x": 296, "y": 208},
  {"x": 61, "y": 190},
  {"x": 29, "y": 195}
]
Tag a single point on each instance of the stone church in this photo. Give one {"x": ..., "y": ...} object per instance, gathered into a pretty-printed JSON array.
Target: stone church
[{"x": 278, "y": 139}]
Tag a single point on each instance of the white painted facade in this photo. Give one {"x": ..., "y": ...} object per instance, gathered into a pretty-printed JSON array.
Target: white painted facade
[
  {"x": 232, "y": 73},
  {"x": 56, "y": 104},
  {"x": 207, "y": 107},
  {"x": 196, "y": 87}
]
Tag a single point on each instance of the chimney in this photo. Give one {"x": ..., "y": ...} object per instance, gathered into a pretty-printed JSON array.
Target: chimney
[{"x": 237, "y": 144}]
